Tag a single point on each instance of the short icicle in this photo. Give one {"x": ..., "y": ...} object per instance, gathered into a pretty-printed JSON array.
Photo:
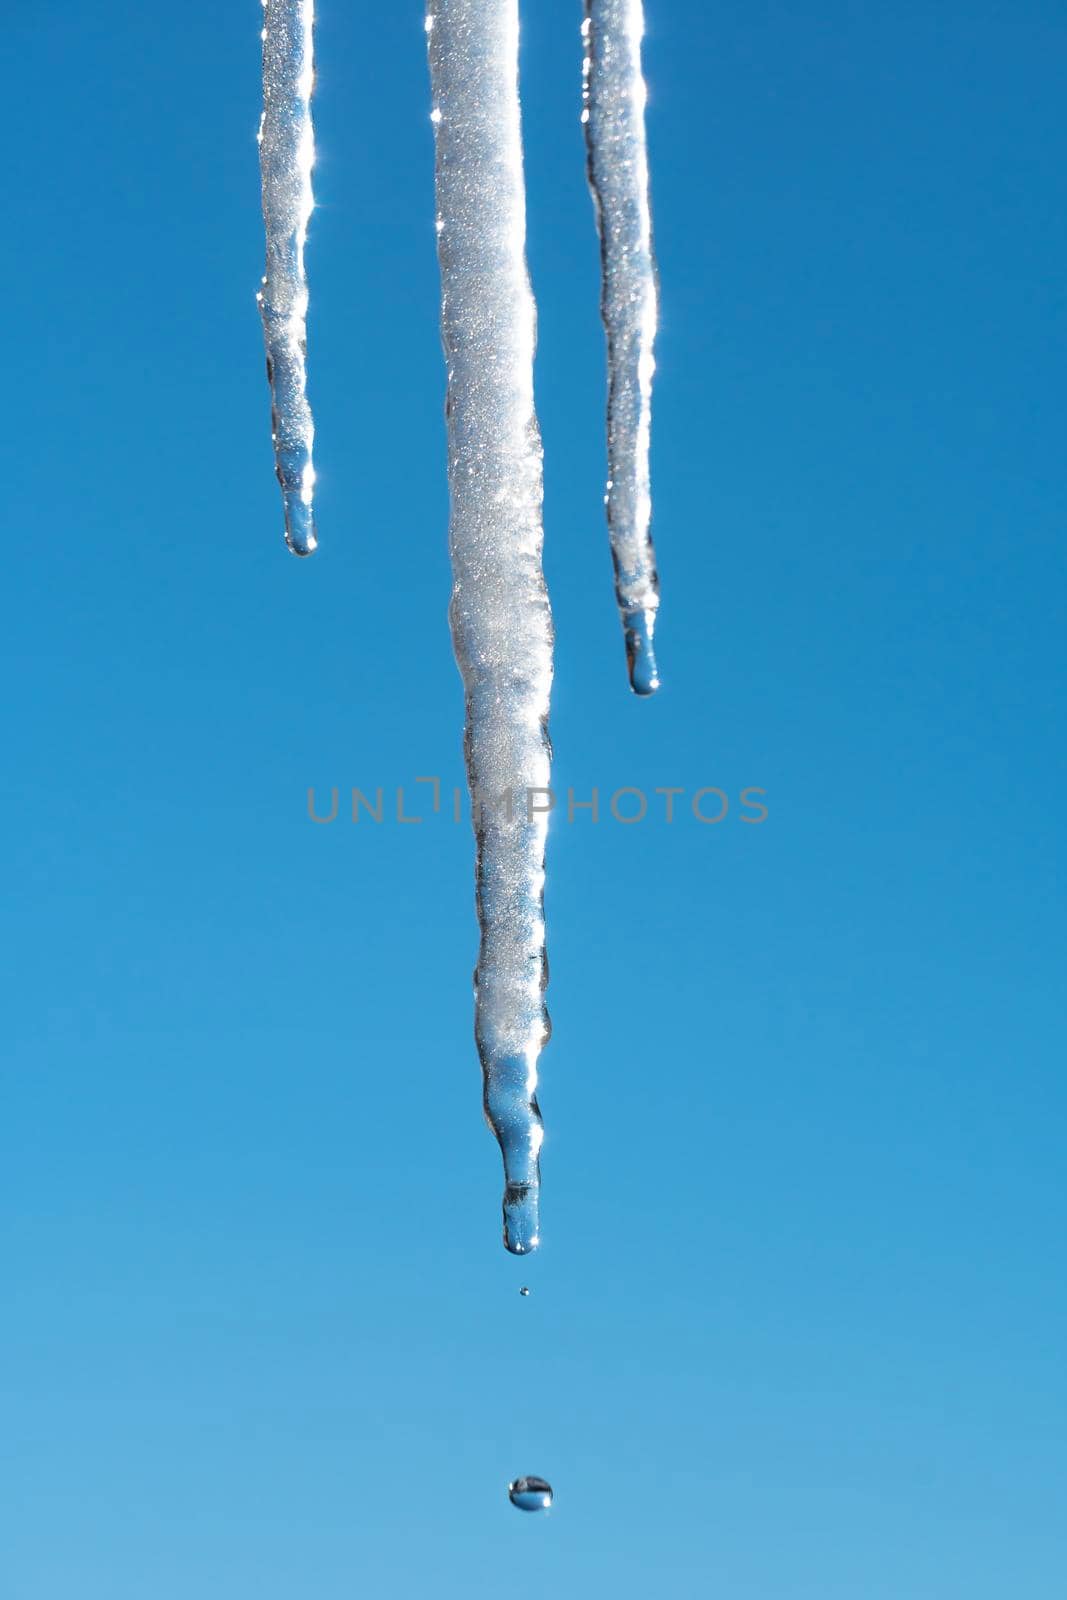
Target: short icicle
[
  {"x": 613, "y": 113},
  {"x": 501, "y": 622},
  {"x": 286, "y": 158}
]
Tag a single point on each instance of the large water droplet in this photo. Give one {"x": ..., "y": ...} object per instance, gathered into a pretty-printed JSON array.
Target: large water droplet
[{"x": 530, "y": 1494}]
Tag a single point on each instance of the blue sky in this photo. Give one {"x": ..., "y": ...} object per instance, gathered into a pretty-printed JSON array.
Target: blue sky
[{"x": 798, "y": 1323}]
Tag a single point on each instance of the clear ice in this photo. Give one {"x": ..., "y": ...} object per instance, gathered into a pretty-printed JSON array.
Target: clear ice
[
  {"x": 286, "y": 157},
  {"x": 500, "y": 617},
  {"x": 613, "y": 112}
]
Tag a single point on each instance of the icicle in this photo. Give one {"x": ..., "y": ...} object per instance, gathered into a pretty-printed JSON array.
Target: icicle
[
  {"x": 286, "y": 157},
  {"x": 614, "y": 117},
  {"x": 501, "y": 622}
]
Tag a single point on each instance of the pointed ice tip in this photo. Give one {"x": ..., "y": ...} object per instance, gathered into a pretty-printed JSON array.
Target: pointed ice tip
[
  {"x": 640, "y": 654},
  {"x": 300, "y": 533}
]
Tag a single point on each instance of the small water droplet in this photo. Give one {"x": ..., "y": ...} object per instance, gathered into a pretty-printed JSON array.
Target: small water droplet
[
  {"x": 530, "y": 1494},
  {"x": 524, "y": 1290}
]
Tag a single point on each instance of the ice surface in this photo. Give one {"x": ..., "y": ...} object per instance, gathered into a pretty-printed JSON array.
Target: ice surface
[
  {"x": 613, "y": 112},
  {"x": 286, "y": 157}
]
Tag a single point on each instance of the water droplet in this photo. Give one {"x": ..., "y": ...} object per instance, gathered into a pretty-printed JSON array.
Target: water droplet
[
  {"x": 530, "y": 1494},
  {"x": 524, "y": 1290}
]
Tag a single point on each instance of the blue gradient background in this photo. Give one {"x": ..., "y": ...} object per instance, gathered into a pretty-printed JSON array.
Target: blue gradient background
[{"x": 797, "y": 1329}]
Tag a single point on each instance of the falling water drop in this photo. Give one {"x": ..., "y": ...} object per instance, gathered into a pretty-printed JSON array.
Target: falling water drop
[{"x": 530, "y": 1494}]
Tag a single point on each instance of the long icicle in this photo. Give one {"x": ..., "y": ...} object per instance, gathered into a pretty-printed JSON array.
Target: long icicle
[
  {"x": 500, "y": 617},
  {"x": 614, "y": 116},
  {"x": 286, "y": 157}
]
